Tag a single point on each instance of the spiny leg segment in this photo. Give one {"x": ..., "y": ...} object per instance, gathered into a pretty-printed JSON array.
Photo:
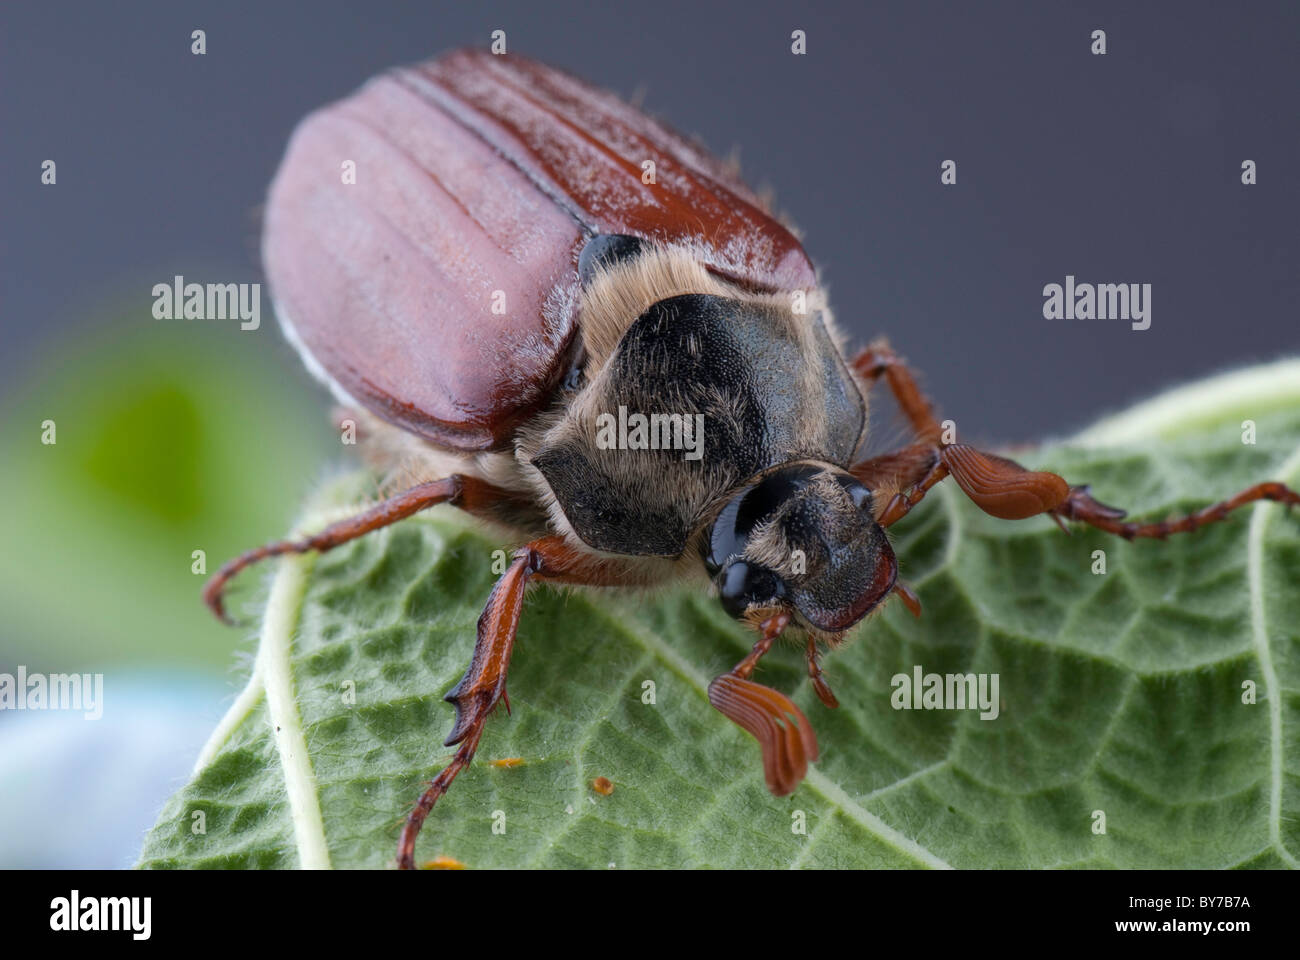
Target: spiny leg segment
[
  {"x": 468, "y": 493},
  {"x": 484, "y": 682},
  {"x": 1000, "y": 487}
]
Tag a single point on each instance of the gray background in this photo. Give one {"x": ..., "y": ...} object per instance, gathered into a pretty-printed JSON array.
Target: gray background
[{"x": 1122, "y": 168}]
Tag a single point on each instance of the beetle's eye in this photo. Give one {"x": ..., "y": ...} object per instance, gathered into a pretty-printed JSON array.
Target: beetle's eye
[{"x": 743, "y": 583}]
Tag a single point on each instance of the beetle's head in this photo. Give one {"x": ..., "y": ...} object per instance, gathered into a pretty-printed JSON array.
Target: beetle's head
[{"x": 801, "y": 538}]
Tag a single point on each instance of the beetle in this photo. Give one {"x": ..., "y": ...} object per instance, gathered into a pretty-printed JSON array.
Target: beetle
[{"x": 562, "y": 317}]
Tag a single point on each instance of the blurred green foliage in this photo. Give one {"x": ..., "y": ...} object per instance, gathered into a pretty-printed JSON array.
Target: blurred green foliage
[{"x": 172, "y": 436}]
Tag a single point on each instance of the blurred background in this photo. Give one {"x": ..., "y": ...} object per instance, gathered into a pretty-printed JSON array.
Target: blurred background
[{"x": 177, "y": 435}]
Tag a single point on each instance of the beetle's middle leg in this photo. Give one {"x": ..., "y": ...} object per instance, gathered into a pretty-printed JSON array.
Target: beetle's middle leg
[
  {"x": 484, "y": 683},
  {"x": 1001, "y": 487}
]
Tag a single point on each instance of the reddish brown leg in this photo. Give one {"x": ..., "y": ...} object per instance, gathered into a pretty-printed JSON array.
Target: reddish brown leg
[
  {"x": 484, "y": 682},
  {"x": 1080, "y": 506},
  {"x": 466, "y": 492},
  {"x": 1003, "y": 488},
  {"x": 907, "y": 474},
  {"x": 784, "y": 734},
  {"x": 879, "y": 360},
  {"x": 820, "y": 686},
  {"x": 1000, "y": 487},
  {"x": 909, "y": 598},
  {"x": 898, "y": 481},
  {"x": 892, "y": 509},
  {"x": 898, "y": 469}
]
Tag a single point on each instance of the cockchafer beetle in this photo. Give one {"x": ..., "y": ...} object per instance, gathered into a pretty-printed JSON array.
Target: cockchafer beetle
[{"x": 520, "y": 261}]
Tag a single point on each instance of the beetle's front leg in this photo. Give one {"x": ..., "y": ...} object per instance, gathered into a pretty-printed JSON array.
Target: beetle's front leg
[
  {"x": 783, "y": 733},
  {"x": 1000, "y": 487},
  {"x": 1003, "y": 488},
  {"x": 879, "y": 360},
  {"x": 484, "y": 682},
  {"x": 819, "y": 684},
  {"x": 1079, "y": 505}
]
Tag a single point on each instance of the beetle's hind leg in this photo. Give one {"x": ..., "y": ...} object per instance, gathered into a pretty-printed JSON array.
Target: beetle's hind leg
[
  {"x": 783, "y": 732},
  {"x": 468, "y": 493}
]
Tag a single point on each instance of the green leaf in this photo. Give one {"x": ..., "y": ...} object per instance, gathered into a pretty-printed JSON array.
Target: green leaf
[{"x": 1120, "y": 692}]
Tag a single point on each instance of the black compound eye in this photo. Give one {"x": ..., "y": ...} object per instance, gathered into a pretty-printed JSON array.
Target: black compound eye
[{"x": 743, "y": 583}]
